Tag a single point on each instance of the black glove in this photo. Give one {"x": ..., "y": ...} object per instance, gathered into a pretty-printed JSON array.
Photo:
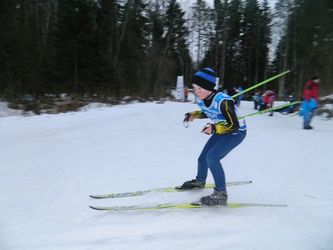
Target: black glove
[
  {"x": 187, "y": 117},
  {"x": 209, "y": 125}
]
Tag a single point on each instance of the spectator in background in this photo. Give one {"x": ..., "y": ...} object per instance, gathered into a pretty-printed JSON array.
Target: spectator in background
[
  {"x": 186, "y": 90},
  {"x": 269, "y": 99},
  {"x": 257, "y": 99},
  {"x": 262, "y": 104},
  {"x": 240, "y": 97},
  {"x": 310, "y": 102}
]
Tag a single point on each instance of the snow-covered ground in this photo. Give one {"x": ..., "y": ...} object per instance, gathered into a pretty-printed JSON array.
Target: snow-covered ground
[
  {"x": 5, "y": 111},
  {"x": 51, "y": 163}
]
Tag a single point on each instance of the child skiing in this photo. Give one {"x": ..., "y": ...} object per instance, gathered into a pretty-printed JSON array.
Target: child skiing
[{"x": 226, "y": 133}]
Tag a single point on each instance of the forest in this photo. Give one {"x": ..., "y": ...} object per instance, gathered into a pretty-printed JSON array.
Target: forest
[{"x": 116, "y": 48}]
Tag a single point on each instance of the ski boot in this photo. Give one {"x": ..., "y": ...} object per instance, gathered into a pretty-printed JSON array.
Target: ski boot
[
  {"x": 218, "y": 198},
  {"x": 192, "y": 184}
]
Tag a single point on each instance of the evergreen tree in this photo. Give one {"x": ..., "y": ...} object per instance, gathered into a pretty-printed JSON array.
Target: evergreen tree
[
  {"x": 250, "y": 40},
  {"x": 75, "y": 43},
  {"x": 9, "y": 47},
  {"x": 262, "y": 53},
  {"x": 202, "y": 26},
  {"x": 281, "y": 19},
  {"x": 176, "y": 52},
  {"x": 18, "y": 55},
  {"x": 168, "y": 52},
  {"x": 307, "y": 45},
  {"x": 140, "y": 46},
  {"x": 132, "y": 50},
  {"x": 155, "y": 47},
  {"x": 232, "y": 69},
  {"x": 107, "y": 31}
]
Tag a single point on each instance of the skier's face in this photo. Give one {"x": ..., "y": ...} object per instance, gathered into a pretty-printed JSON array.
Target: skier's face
[{"x": 201, "y": 93}]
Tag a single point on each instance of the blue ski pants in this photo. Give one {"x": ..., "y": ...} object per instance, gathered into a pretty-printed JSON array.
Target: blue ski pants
[
  {"x": 308, "y": 109},
  {"x": 216, "y": 148}
]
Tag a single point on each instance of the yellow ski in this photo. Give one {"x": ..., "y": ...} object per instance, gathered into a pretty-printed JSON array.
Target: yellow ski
[
  {"x": 193, "y": 205},
  {"x": 168, "y": 190}
]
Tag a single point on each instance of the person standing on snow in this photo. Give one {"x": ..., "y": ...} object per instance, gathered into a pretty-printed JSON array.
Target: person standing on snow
[
  {"x": 240, "y": 97},
  {"x": 310, "y": 103},
  {"x": 226, "y": 133},
  {"x": 186, "y": 91},
  {"x": 269, "y": 100}
]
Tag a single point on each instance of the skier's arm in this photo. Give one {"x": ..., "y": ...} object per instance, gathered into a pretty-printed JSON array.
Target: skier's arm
[
  {"x": 198, "y": 114},
  {"x": 194, "y": 115},
  {"x": 227, "y": 108}
]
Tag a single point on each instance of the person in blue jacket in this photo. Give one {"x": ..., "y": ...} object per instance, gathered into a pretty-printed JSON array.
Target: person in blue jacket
[{"x": 226, "y": 132}]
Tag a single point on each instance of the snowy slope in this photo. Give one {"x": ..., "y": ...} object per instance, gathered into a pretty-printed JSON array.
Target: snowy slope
[{"x": 51, "y": 163}]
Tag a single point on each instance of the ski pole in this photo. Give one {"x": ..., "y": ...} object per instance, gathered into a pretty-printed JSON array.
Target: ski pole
[
  {"x": 260, "y": 112},
  {"x": 270, "y": 109},
  {"x": 186, "y": 124},
  {"x": 261, "y": 83}
]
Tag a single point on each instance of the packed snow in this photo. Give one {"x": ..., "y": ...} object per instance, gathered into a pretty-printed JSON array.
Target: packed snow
[
  {"x": 50, "y": 164},
  {"x": 5, "y": 111}
]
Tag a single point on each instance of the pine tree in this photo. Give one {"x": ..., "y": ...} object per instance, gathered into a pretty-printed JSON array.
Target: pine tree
[
  {"x": 176, "y": 52},
  {"x": 201, "y": 25},
  {"x": 250, "y": 40},
  {"x": 262, "y": 53},
  {"x": 232, "y": 68},
  {"x": 307, "y": 45},
  {"x": 132, "y": 50},
  {"x": 280, "y": 24},
  {"x": 168, "y": 52},
  {"x": 107, "y": 31},
  {"x": 75, "y": 44},
  {"x": 9, "y": 47},
  {"x": 155, "y": 48}
]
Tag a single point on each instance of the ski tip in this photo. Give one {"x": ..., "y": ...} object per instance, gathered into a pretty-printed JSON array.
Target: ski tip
[
  {"x": 196, "y": 203},
  {"x": 95, "y": 208},
  {"x": 98, "y": 196}
]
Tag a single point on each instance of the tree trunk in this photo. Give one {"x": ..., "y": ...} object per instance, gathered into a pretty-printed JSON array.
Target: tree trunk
[
  {"x": 76, "y": 70},
  {"x": 123, "y": 31}
]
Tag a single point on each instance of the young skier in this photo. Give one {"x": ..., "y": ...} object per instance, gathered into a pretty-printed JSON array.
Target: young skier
[{"x": 226, "y": 133}]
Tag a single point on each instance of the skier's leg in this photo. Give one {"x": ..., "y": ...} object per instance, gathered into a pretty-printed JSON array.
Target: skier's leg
[
  {"x": 202, "y": 160},
  {"x": 200, "y": 180},
  {"x": 311, "y": 115},
  {"x": 215, "y": 154},
  {"x": 223, "y": 145},
  {"x": 306, "y": 119}
]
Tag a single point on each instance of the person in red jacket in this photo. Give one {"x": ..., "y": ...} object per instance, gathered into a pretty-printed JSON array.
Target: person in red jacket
[
  {"x": 269, "y": 99},
  {"x": 310, "y": 103},
  {"x": 311, "y": 89}
]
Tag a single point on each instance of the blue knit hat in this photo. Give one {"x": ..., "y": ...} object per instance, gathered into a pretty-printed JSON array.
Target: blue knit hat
[{"x": 205, "y": 78}]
